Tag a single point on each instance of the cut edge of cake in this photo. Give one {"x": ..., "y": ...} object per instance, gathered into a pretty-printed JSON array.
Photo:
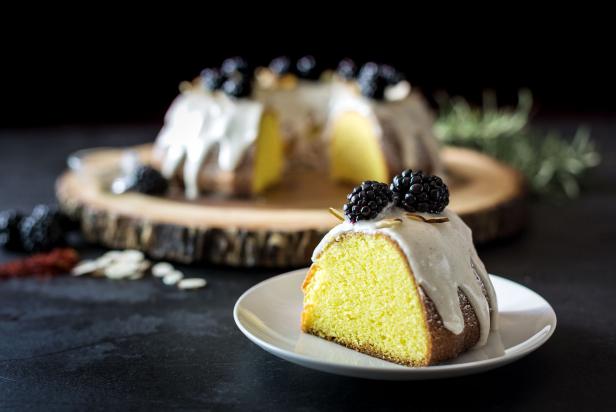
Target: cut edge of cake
[{"x": 440, "y": 343}]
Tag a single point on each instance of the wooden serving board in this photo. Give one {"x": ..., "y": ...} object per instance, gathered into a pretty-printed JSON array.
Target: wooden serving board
[{"x": 279, "y": 229}]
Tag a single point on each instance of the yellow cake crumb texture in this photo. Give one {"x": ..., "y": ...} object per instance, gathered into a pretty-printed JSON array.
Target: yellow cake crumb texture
[
  {"x": 361, "y": 293},
  {"x": 355, "y": 153},
  {"x": 269, "y": 156}
]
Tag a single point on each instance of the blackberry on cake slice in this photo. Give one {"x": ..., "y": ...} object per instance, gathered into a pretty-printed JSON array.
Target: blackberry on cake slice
[
  {"x": 416, "y": 192},
  {"x": 367, "y": 200}
]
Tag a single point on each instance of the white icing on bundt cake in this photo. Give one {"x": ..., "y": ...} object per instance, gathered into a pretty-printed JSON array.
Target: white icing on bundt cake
[
  {"x": 198, "y": 123},
  {"x": 214, "y": 142}
]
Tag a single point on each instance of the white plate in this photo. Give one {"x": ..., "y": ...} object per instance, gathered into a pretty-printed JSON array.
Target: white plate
[{"x": 269, "y": 315}]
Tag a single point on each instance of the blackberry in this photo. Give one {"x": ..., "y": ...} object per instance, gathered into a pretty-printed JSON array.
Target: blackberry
[
  {"x": 374, "y": 78},
  {"x": 371, "y": 81},
  {"x": 10, "y": 237},
  {"x": 416, "y": 192},
  {"x": 42, "y": 230},
  {"x": 280, "y": 65},
  {"x": 367, "y": 200},
  {"x": 237, "y": 86},
  {"x": 145, "y": 179},
  {"x": 66, "y": 223},
  {"x": 234, "y": 65},
  {"x": 368, "y": 72},
  {"x": 374, "y": 87},
  {"x": 306, "y": 68},
  {"x": 212, "y": 78},
  {"x": 390, "y": 74},
  {"x": 347, "y": 69}
]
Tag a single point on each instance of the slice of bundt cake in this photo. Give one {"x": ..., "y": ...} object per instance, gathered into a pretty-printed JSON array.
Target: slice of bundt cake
[{"x": 397, "y": 284}]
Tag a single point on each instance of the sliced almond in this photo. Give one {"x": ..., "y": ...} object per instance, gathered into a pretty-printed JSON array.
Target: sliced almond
[
  {"x": 173, "y": 278},
  {"x": 112, "y": 254},
  {"x": 265, "y": 78},
  {"x": 109, "y": 258},
  {"x": 337, "y": 213},
  {"x": 191, "y": 283},
  {"x": 388, "y": 223},
  {"x": 161, "y": 269},
  {"x": 287, "y": 82},
  {"x": 131, "y": 255},
  {"x": 121, "y": 270},
  {"x": 435, "y": 219},
  {"x": 85, "y": 267}
]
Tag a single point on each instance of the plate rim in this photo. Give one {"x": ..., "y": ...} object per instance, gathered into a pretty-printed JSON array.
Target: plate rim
[{"x": 470, "y": 367}]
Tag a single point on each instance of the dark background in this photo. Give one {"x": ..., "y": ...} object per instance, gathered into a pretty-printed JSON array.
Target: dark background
[
  {"x": 109, "y": 71},
  {"x": 75, "y": 344}
]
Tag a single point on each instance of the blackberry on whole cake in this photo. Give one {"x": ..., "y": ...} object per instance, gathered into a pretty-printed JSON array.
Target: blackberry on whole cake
[
  {"x": 212, "y": 78},
  {"x": 237, "y": 86},
  {"x": 374, "y": 79},
  {"x": 307, "y": 68},
  {"x": 233, "y": 65},
  {"x": 347, "y": 69},
  {"x": 241, "y": 142},
  {"x": 280, "y": 65}
]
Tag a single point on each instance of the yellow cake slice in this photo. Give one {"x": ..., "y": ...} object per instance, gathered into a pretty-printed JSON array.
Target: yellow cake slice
[{"x": 400, "y": 289}]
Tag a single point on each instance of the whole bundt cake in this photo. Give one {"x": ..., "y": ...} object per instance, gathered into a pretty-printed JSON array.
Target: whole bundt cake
[{"x": 236, "y": 131}]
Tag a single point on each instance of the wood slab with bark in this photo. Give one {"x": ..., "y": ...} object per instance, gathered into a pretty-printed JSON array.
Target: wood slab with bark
[{"x": 279, "y": 229}]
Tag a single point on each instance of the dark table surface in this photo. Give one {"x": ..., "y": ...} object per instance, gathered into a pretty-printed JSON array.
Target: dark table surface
[{"x": 70, "y": 343}]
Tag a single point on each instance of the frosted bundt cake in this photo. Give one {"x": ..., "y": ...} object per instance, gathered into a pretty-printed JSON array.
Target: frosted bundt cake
[
  {"x": 399, "y": 278},
  {"x": 236, "y": 131}
]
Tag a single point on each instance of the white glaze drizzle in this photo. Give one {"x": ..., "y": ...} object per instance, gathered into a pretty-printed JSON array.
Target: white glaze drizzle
[
  {"x": 440, "y": 256},
  {"x": 198, "y": 122}
]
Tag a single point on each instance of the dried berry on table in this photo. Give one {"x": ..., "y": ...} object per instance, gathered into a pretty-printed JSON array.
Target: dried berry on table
[{"x": 56, "y": 262}]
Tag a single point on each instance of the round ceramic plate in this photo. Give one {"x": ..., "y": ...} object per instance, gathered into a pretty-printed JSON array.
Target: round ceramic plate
[{"x": 268, "y": 314}]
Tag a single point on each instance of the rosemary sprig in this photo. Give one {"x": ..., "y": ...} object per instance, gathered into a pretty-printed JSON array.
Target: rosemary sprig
[{"x": 553, "y": 165}]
